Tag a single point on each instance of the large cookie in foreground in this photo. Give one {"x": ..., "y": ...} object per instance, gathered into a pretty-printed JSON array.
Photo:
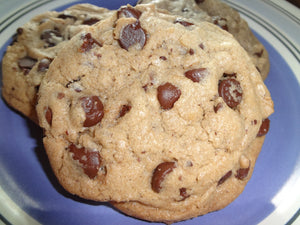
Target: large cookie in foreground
[
  {"x": 149, "y": 110},
  {"x": 224, "y": 16},
  {"x": 36, "y": 45}
]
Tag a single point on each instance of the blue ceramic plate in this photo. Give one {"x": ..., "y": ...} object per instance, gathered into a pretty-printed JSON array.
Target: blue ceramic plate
[{"x": 30, "y": 194}]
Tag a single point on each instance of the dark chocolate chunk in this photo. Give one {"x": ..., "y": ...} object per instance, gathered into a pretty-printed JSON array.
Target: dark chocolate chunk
[
  {"x": 229, "y": 75},
  {"x": 51, "y": 37},
  {"x": 124, "y": 109},
  {"x": 183, "y": 193},
  {"x": 218, "y": 107},
  {"x": 196, "y": 75},
  {"x": 26, "y": 64},
  {"x": 254, "y": 122},
  {"x": 44, "y": 65},
  {"x": 88, "y": 43},
  {"x": 48, "y": 115},
  {"x": 89, "y": 160},
  {"x": 60, "y": 95},
  {"x": 167, "y": 95},
  {"x": 191, "y": 51},
  {"x": 132, "y": 34},
  {"x": 94, "y": 110},
  {"x": 220, "y": 22},
  {"x": 183, "y": 22},
  {"x": 70, "y": 83},
  {"x": 20, "y": 31},
  {"x": 64, "y": 17},
  {"x": 90, "y": 21},
  {"x": 160, "y": 173},
  {"x": 129, "y": 12},
  {"x": 231, "y": 92},
  {"x": 15, "y": 36},
  {"x": 224, "y": 178},
  {"x": 259, "y": 54},
  {"x": 264, "y": 128},
  {"x": 164, "y": 58},
  {"x": 242, "y": 173}
]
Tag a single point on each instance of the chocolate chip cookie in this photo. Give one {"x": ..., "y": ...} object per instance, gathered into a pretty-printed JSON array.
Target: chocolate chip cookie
[
  {"x": 35, "y": 46},
  {"x": 227, "y": 18},
  {"x": 155, "y": 113}
]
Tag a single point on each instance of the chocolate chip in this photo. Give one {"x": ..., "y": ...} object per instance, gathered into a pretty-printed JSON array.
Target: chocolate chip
[
  {"x": 229, "y": 75},
  {"x": 164, "y": 58},
  {"x": 167, "y": 95},
  {"x": 254, "y": 122},
  {"x": 51, "y": 37},
  {"x": 71, "y": 83},
  {"x": 183, "y": 193},
  {"x": 199, "y": 1},
  {"x": 20, "y": 31},
  {"x": 220, "y": 22},
  {"x": 218, "y": 107},
  {"x": 264, "y": 128},
  {"x": 160, "y": 173},
  {"x": 37, "y": 88},
  {"x": 191, "y": 52},
  {"x": 189, "y": 163},
  {"x": 15, "y": 36},
  {"x": 231, "y": 92},
  {"x": 64, "y": 17},
  {"x": 44, "y": 65},
  {"x": 89, "y": 160},
  {"x": 259, "y": 54},
  {"x": 145, "y": 87},
  {"x": 242, "y": 173},
  {"x": 124, "y": 109},
  {"x": 183, "y": 22},
  {"x": 201, "y": 45},
  {"x": 258, "y": 69},
  {"x": 60, "y": 95},
  {"x": 48, "y": 115},
  {"x": 196, "y": 75},
  {"x": 224, "y": 178},
  {"x": 132, "y": 34},
  {"x": 88, "y": 43},
  {"x": 94, "y": 110},
  {"x": 14, "y": 39},
  {"x": 26, "y": 64},
  {"x": 90, "y": 21},
  {"x": 129, "y": 12}
]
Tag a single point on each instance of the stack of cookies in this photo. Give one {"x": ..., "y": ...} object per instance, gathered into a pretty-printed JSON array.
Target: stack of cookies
[{"x": 156, "y": 108}]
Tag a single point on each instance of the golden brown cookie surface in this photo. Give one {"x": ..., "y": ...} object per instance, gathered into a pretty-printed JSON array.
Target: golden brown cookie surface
[
  {"x": 144, "y": 109},
  {"x": 222, "y": 15},
  {"x": 27, "y": 60}
]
